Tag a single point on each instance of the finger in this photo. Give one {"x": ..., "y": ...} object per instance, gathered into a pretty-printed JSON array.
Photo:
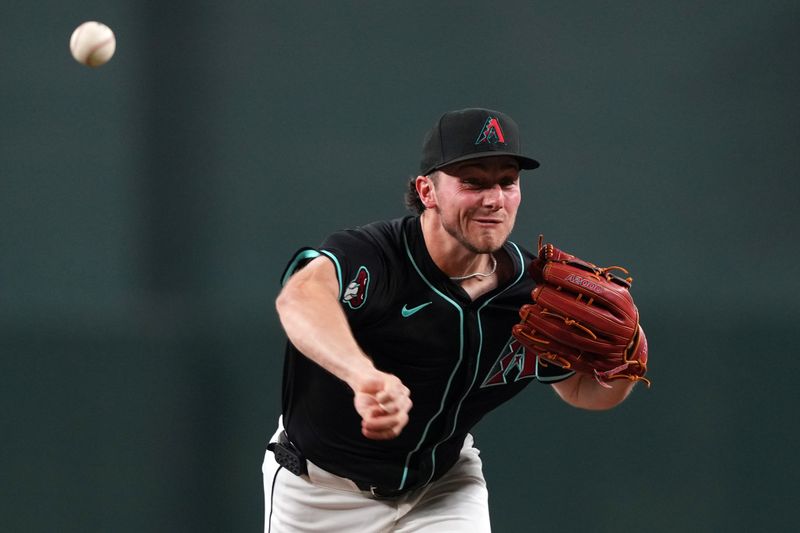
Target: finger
[
  {"x": 382, "y": 432},
  {"x": 388, "y": 408},
  {"x": 383, "y": 422},
  {"x": 371, "y": 386},
  {"x": 369, "y": 406},
  {"x": 390, "y": 431},
  {"x": 365, "y": 401},
  {"x": 379, "y": 435},
  {"x": 398, "y": 407},
  {"x": 378, "y": 419},
  {"x": 385, "y": 406},
  {"x": 392, "y": 395}
]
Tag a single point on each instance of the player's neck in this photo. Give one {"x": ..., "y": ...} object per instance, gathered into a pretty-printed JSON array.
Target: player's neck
[{"x": 453, "y": 258}]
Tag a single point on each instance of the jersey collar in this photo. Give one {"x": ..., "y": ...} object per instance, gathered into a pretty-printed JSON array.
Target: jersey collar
[{"x": 413, "y": 230}]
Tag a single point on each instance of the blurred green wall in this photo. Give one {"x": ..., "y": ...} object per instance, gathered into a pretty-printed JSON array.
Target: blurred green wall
[{"x": 148, "y": 208}]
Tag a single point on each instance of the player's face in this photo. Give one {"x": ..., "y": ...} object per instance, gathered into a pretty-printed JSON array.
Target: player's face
[{"x": 477, "y": 201}]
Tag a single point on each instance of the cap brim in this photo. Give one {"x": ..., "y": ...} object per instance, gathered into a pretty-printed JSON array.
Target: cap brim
[{"x": 525, "y": 163}]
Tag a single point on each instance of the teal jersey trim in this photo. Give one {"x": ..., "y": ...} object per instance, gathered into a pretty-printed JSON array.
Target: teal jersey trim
[
  {"x": 480, "y": 351},
  {"x": 452, "y": 374},
  {"x": 302, "y": 256},
  {"x": 338, "y": 269},
  {"x": 546, "y": 379}
]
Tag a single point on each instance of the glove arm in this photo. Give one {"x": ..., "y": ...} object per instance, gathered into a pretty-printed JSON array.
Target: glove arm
[{"x": 584, "y": 392}]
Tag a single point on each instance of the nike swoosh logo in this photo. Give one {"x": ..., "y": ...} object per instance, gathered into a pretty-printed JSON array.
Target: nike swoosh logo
[{"x": 406, "y": 312}]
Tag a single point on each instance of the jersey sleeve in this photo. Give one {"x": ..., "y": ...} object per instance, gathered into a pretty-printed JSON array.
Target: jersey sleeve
[{"x": 360, "y": 263}]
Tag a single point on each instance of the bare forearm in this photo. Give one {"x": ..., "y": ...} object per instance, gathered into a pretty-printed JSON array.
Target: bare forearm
[
  {"x": 320, "y": 331},
  {"x": 314, "y": 322},
  {"x": 583, "y": 391}
]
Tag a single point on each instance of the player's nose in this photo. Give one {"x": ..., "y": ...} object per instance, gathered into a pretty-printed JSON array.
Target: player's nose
[{"x": 493, "y": 197}]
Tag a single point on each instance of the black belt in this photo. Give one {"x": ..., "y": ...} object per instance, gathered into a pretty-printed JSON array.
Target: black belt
[{"x": 292, "y": 459}]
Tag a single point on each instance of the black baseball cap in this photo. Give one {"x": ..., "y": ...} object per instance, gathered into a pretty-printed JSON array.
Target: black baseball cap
[{"x": 470, "y": 134}]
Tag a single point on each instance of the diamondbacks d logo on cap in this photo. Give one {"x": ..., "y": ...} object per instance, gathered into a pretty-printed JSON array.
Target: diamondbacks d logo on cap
[{"x": 491, "y": 132}]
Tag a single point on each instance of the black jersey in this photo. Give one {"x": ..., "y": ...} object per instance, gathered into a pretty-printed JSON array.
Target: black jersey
[{"x": 456, "y": 356}]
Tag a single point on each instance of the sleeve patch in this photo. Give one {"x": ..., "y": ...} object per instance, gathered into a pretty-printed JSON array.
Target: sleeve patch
[{"x": 355, "y": 295}]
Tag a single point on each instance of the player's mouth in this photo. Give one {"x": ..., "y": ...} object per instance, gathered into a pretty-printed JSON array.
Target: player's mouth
[{"x": 488, "y": 221}]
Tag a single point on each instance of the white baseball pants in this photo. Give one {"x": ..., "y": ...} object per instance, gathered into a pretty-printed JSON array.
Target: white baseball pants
[{"x": 321, "y": 502}]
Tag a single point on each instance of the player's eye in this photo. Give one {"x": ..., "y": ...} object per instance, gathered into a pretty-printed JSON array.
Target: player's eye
[{"x": 508, "y": 182}]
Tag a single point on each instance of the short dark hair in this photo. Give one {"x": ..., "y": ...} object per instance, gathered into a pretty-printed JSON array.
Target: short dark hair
[{"x": 412, "y": 201}]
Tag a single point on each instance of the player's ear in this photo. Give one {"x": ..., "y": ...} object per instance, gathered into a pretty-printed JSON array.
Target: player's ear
[{"x": 426, "y": 191}]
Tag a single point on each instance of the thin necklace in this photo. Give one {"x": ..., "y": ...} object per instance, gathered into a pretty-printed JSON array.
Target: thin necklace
[{"x": 479, "y": 274}]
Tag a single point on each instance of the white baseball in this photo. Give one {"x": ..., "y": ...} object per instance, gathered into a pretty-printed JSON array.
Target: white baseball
[{"x": 92, "y": 43}]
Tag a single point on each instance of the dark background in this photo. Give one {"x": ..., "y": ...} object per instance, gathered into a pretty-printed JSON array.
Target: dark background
[{"x": 147, "y": 209}]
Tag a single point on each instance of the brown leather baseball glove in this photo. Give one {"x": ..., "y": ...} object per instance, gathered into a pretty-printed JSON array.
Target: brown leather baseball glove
[{"x": 583, "y": 318}]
